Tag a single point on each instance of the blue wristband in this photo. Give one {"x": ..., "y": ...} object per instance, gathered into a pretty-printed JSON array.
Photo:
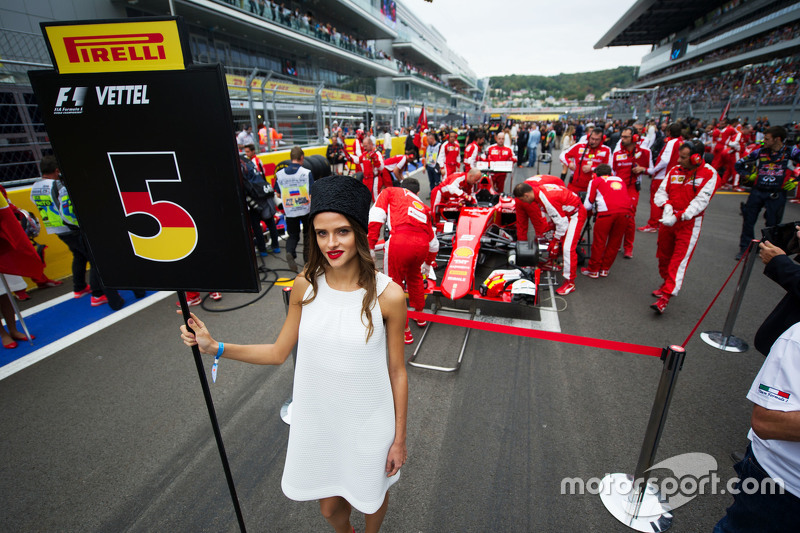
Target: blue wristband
[
  {"x": 214, "y": 367},
  {"x": 220, "y": 350}
]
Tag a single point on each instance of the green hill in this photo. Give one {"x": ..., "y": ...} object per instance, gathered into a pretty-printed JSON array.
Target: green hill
[{"x": 571, "y": 86}]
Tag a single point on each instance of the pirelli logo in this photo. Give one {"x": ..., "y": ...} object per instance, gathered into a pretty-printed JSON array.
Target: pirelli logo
[{"x": 116, "y": 47}]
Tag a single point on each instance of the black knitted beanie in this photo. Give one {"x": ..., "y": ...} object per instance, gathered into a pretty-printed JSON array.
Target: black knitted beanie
[{"x": 341, "y": 194}]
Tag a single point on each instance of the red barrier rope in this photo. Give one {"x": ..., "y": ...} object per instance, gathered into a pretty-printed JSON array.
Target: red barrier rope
[
  {"x": 538, "y": 334},
  {"x": 744, "y": 256}
]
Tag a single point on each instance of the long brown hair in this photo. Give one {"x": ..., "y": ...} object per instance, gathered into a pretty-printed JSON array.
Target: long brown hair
[{"x": 315, "y": 266}]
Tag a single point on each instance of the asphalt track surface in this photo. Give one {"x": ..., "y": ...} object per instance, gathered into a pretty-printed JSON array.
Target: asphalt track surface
[{"x": 112, "y": 433}]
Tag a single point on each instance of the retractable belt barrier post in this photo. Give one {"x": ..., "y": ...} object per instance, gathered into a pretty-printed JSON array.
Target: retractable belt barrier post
[
  {"x": 724, "y": 340},
  {"x": 630, "y": 499}
]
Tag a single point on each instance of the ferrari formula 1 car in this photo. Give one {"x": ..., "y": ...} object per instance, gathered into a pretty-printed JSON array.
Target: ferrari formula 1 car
[{"x": 471, "y": 232}]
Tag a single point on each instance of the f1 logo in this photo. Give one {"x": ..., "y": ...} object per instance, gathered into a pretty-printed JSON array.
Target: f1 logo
[{"x": 78, "y": 94}]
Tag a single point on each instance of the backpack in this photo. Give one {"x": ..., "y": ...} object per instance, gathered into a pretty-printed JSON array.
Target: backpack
[{"x": 256, "y": 188}]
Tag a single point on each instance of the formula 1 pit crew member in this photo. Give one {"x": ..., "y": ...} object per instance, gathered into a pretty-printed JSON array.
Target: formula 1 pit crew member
[
  {"x": 531, "y": 211},
  {"x": 393, "y": 168},
  {"x": 667, "y": 159},
  {"x": 431, "y": 165},
  {"x": 773, "y": 180},
  {"x": 294, "y": 183},
  {"x": 474, "y": 151},
  {"x": 412, "y": 246},
  {"x": 733, "y": 152},
  {"x": 720, "y": 137},
  {"x": 614, "y": 210},
  {"x": 371, "y": 164},
  {"x": 684, "y": 195},
  {"x": 629, "y": 162},
  {"x": 355, "y": 153},
  {"x": 565, "y": 210},
  {"x": 449, "y": 158},
  {"x": 500, "y": 152},
  {"x": 582, "y": 158},
  {"x": 458, "y": 186}
]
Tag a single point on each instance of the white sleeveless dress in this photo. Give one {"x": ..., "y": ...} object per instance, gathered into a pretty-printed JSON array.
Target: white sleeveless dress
[{"x": 342, "y": 409}]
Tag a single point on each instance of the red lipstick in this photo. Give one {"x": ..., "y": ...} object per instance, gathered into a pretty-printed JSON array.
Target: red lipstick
[{"x": 335, "y": 254}]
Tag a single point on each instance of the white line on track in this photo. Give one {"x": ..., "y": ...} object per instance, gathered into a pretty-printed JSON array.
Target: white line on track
[{"x": 46, "y": 351}]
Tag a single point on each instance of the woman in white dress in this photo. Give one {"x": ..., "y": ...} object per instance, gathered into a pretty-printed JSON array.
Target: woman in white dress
[{"x": 348, "y": 431}]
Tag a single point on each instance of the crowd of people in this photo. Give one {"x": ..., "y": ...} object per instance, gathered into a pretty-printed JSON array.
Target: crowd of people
[
  {"x": 773, "y": 83},
  {"x": 769, "y": 38},
  {"x": 306, "y": 23}
]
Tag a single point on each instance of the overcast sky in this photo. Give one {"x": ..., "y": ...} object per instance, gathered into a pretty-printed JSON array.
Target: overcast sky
[{"x": 500, "y": 37}]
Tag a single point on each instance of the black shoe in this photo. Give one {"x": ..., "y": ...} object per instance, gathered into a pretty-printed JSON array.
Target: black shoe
[
  {"x": 739, "y": 256},
  {"x": 737, "y": 457},
  {"x": 290, "y": 261}
]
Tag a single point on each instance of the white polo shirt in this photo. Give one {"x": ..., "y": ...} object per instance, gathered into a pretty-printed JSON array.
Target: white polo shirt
[{"x": 777, "y": 387}]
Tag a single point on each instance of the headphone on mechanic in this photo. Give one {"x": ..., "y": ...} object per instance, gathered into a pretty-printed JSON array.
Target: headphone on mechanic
[
  {"x": 635, "y": 134},
  {"x": 697, "y": 150}
]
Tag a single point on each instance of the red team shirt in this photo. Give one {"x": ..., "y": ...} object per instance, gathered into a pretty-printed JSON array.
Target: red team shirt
[
  {"x": 449, "y": 157},
  {"x": 581, "y": 154},
  {"x": 532, "y": 211},
  {"x": 472, "y": 154},
  {"x": 623, "y": 161},
  {"x": 611, "y": 195}
]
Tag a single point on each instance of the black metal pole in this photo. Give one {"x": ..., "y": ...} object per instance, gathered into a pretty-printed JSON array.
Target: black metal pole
[{"x": 201, "y": 373}]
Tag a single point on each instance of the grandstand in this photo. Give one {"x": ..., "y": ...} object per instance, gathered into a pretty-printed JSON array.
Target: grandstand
[
  {"x": 706, "y": 55},
  {"x": 297, "y": 65}
]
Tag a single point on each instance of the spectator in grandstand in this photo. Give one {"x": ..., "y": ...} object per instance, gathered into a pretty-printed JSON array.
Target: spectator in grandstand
[{"x": 772, "y": 181}]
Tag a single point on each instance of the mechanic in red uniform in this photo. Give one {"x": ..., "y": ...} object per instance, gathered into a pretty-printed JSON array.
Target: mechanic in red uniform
[
  {"x": 721, "y": 134},
  {"x": 565, "y": 210},
  {"x": 412, "y": 246},
  {"x": 459, "y": 185},
  {"x": 500, "y": 152},
  {"x": 684, "y": 195},
  {"x": 449, "y": 155},
  {"x": 614, "y": 211},
  {"x": 583, "y": 158},
  {"x": 666, "y": 161},
  {"x": 394, "y": 167},
  {"x": 531, "y": 211},
  {"x": 630, "y": 162},
  {"x": 371, "y": 165},
  {"x": 733, "y": 152},
  {"x": 474, "y": 151}
]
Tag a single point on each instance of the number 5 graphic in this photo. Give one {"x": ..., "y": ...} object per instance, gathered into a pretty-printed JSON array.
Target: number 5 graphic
[{"x": 134, "y": 173}]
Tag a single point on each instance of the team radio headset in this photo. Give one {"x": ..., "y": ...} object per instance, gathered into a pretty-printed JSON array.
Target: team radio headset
[{"x": 583, "y": 152}]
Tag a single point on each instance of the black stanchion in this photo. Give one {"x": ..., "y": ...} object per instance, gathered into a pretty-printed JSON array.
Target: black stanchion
[
  {"x": 630, "y": 499},
  {"x": 725, "y": 340},
  {"x": 286, "y": 408},
  {"x": 201, "y": 373}
]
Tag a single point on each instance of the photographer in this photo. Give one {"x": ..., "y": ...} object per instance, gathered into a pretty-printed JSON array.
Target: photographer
[
  {"x": 786, "y": 273},
  {"x": 773, "y": 179},
  {"x": 774, "y": 449}
]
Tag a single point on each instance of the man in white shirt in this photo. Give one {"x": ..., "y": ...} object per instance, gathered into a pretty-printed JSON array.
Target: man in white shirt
[{"x": 245, "y": 137}]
